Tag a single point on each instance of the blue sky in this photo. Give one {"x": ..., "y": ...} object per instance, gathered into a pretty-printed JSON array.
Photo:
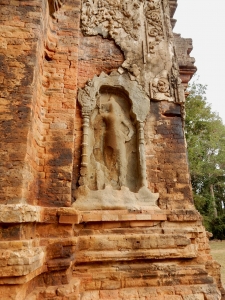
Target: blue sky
[{"x": 204, "y": 22}]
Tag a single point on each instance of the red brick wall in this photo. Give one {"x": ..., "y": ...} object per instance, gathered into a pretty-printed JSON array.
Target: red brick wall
[
  {"x": 58, "y": 103},
  {"x": 97, "y": 55},
  {"x": 167, "y": 166},
  {"x": 20, "y": 33}
]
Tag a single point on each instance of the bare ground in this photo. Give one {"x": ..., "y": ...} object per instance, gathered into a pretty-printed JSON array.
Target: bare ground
[{"x": 218, "y": 253}]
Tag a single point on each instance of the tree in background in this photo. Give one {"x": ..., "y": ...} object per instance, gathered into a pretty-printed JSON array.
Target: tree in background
[{"x": 205, "y": 135}]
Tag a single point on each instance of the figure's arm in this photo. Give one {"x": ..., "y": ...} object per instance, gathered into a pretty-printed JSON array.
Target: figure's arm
[
  {"x": 104, "y": 115},
  {"x": 131, "y": 132}
]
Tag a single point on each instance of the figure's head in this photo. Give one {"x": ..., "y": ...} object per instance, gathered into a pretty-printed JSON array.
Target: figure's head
[
  {"x": 111, "y": 99},
  {"x": 105, "y": 107},
  {"x": 109, "y": 105}
]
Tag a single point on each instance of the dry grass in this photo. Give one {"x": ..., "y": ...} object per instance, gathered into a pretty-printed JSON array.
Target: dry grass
[{"x": 218, "y": 253}]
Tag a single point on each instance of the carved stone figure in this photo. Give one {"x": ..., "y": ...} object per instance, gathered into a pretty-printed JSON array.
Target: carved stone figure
[
  {"x": 112, "y": 142},
  {"x": 113, "y": 154},
  {"x": 115, "y": 137}
]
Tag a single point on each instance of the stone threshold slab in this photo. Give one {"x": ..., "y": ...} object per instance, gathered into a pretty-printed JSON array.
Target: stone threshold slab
[
  {"x": 24, "y": 213},
  {"x": 77, "y": 217}
]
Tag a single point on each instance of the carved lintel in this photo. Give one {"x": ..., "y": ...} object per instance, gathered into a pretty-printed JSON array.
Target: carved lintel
[{"x": 142, "y": 31}]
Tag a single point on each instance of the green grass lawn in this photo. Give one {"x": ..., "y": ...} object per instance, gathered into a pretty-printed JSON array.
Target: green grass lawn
[{"x": 218, "y": 253}]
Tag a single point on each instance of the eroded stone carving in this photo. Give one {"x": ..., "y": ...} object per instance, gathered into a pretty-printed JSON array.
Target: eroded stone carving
[
  {"x": 118, "y": 131},
  {"x": 113, "y": 167},
  {"x": 154, "y": 27},
  {"x": 177, "y": 89},
  {"x": 143, "y": 31},
  {"x": 161, "y": 89}
]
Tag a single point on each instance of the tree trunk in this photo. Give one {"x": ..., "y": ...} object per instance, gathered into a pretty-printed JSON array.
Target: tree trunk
[{"x": 213, "y": 200}]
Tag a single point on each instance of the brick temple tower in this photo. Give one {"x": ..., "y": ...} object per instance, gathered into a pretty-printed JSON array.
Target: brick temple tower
[{"x": 95, "y": 199}]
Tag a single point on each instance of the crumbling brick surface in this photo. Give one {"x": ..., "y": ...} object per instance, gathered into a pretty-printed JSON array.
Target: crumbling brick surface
[
  {"x": 166, "y": 156},
  {"x": 21, "y": 30}
]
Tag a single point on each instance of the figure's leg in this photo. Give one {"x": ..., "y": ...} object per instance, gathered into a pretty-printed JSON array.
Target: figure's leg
[{"x": 122, "y": 164}]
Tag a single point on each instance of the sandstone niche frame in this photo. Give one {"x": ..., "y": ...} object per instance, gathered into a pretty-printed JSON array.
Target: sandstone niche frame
[{"x": 113, "y": 164}]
